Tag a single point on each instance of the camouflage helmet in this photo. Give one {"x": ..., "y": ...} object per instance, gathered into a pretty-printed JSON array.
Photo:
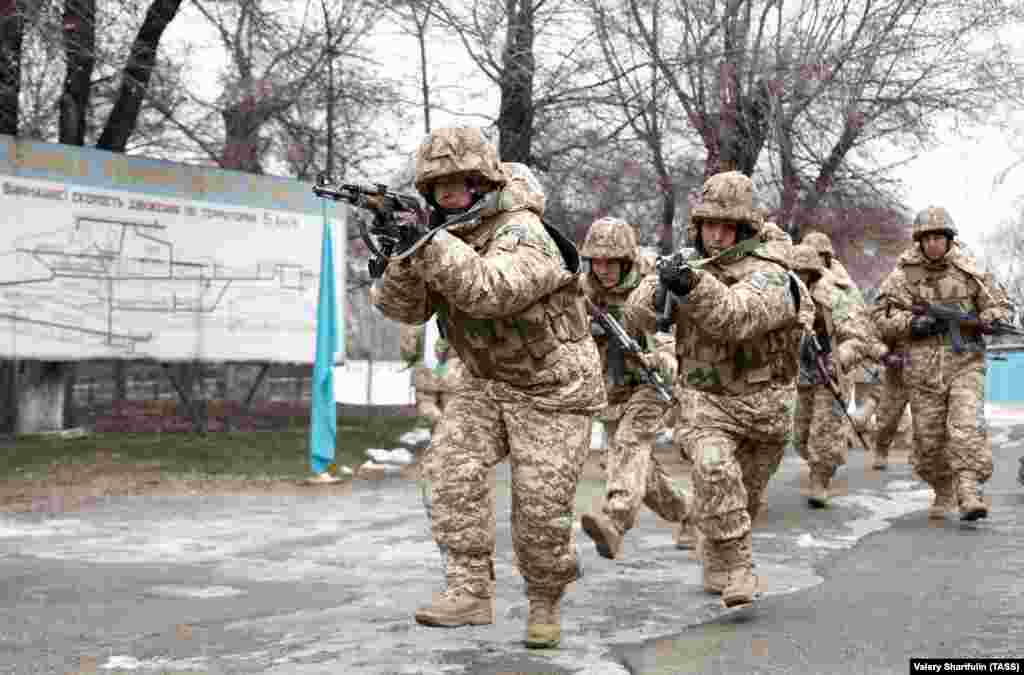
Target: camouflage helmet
[
  {"x": 610, "y": 238},
  {"x": 728, "y": 196},
  {"x": 934, "y": 219},
  {"x": 805, "y": 258},
  {"x": 819, "y": 241},
  {"x": 454, "y": 150}
]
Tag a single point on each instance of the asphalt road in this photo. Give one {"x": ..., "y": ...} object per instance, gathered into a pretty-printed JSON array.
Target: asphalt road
[{"x": 304, "y": 585}]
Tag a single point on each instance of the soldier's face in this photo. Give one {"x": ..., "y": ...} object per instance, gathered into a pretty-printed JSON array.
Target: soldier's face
[
  {"x": 453, "y": 192},
  {"x": 607, "y": 270},
  {"x": 717, "y": 235},
  {"x": 934, "y": 246}
]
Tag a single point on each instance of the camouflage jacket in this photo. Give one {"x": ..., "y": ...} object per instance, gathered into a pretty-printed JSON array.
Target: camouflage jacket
[
  {"x": 508, "y": 297},
  {"x": 955, "y": 280},
  {"x": 739, "y": 328}
]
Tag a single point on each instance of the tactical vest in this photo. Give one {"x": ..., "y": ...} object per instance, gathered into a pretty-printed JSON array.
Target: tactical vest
[
  {"x": 944, "y": 283},
  {"x": 512, "y": 349},
  {"x": 740, "y": 367}
]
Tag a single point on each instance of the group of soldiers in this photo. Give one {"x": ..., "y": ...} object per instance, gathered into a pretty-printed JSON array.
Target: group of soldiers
[{"x": 758, "y": 337}]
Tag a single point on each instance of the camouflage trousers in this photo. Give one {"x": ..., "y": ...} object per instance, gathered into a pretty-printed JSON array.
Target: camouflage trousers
[
  {"x": 950, "y": 431},
  {"x": 546, "y": 451},
  {"x": 633, "y": 472},
  {"x": 737, "y": 443},
  {"x": 892, "y": 406},
  {"x": 821, "y": 438}
]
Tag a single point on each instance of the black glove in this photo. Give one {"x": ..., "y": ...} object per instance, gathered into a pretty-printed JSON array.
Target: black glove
[
  {"x": 676, "y": 275},
  {"x": 399, "y": 232},
  {"x": 925, "y": 326},
  {"x": 596, "y": 329}
]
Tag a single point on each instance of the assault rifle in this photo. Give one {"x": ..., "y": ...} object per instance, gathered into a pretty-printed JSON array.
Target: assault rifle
[
  {"x": 954, "y": 319},
  {"x": 627, "y": 345},
  {"x": 401, "y": 224},
  {"x": 833, "y": 385},
  {"x": 397, "y": 218}
]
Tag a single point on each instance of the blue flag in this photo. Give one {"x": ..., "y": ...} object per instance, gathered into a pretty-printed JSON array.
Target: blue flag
[{"x": 323, "y": 421}]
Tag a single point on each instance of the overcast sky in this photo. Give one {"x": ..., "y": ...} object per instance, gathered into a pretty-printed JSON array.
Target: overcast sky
[{"x": 961, "y": 174}]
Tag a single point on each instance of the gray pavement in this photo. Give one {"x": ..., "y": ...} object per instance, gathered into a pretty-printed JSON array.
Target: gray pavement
[{"x": 304, "y": 585}]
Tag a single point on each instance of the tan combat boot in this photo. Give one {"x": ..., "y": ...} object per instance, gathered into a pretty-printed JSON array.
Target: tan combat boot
[
  {"x": 468, "y": 599},
  {"x": 605, "y": 532},
  {"x": 945, "y": 500},
  {"x": 817, "y": 489},
  {"x": 971, "y": 505},
  {"x": 457, "y": 606},
  {"x": 741, "y": 588},
  {"x": 544, "y": 624}
]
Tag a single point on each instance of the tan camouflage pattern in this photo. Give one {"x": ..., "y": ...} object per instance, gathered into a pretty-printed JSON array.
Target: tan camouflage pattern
[
  {"x": 947, "y": 396},
  {"x": 892, "y": 415},
  {"x": 634, "y": 413},
  {"x": 820, "y": 426},
  {"x": 433, "y": 387},
  {"x": 513, "y": 312},
  {"x": 933, "y": 219},
  {"x": 728, "y": 196},
  {"x": 820, "y": 429},
  {"x": 633, "y": 473},
  {"x": 454, "y": 150},
  {"x": 839, "y": 272},
  {"x": 613, "y": 300},
  {"x": 611, "y": 238},
  {"x": 737, "y": 341},
  {"x": 738, "y": 329},
  {"x": 806, "y": 259},
  {"x": 819, "y": 241},
  {"x": 546, "y": 451}
]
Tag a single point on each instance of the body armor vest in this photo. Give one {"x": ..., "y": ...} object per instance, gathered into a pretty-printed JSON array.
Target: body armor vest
[{"x": 738, "y": 367}]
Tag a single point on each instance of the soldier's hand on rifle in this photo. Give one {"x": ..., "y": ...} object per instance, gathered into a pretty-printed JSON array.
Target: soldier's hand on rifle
[
  {"x": 925, "y": 326},
  {"x": 676, "y": 275},
  {"x": 596, "y": 329},
  {"x": 986, "y": 327}
]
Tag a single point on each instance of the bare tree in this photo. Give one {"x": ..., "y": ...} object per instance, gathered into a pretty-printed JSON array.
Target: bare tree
[
  {"x": 12, "y": 32},
  {"x": 1002, "y": 253},
  {"x": 272, "y": 109}
]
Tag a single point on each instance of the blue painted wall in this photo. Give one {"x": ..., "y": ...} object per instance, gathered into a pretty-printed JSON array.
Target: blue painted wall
[{"x": 1005, "y": 379}]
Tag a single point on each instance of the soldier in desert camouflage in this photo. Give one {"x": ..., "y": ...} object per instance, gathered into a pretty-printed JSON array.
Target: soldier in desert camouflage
[
  {"x": 739, "y": 318},
  {"x": 505, "y": 287},
  {"x": 847, "y": 336},
  {"x": 947, "y": 387},
  {"x": 614, "y": 268}
]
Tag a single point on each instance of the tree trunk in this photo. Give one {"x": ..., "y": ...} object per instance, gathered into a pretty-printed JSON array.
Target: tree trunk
[
  {"x": 515, "y": 117},
  {"x": 135, "y": 77},
  {"x": 8, "y": 396},
  {"x": 241, "y": 133},
  {"x": 80, "y": 53},
  {"x": 12, "y": 30}
]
